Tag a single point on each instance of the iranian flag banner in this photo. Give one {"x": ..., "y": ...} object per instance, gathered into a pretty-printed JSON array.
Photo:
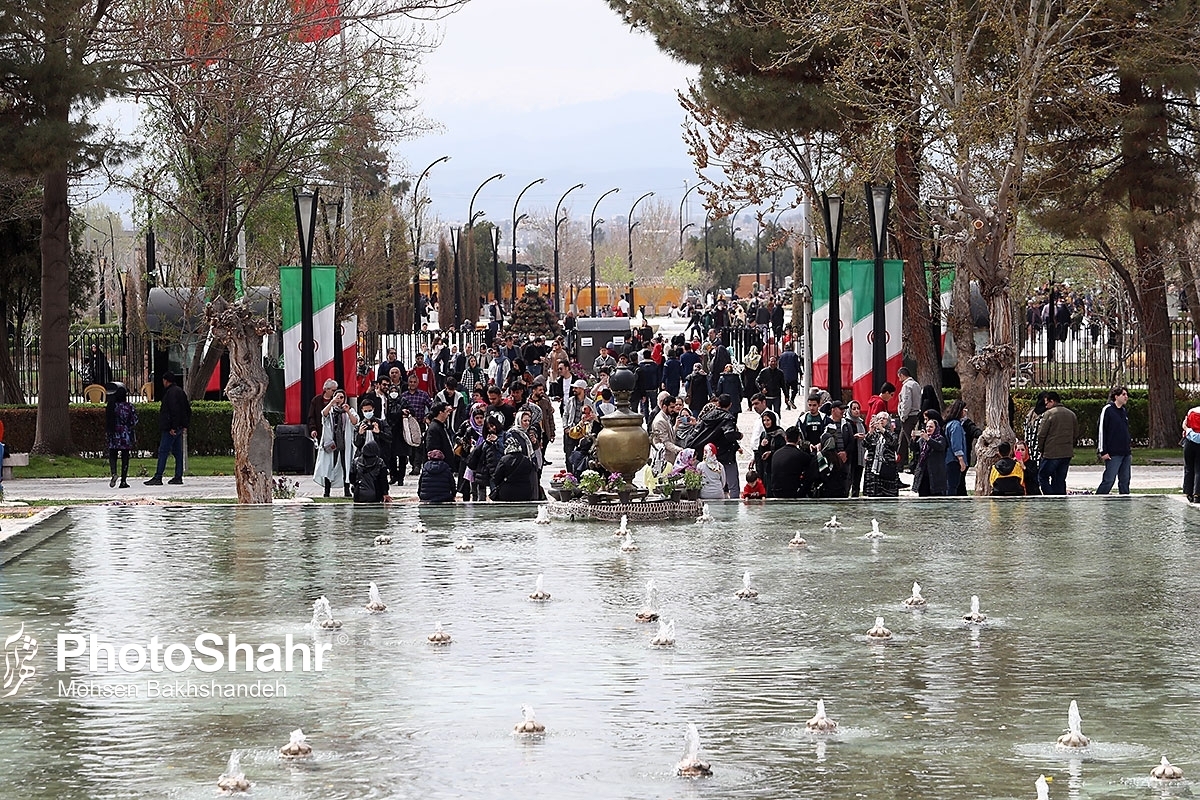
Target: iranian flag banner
[
  {"x": 324, "y": 288},
  {"x": 863, "y": 290},
  {"x": 820, "y": 326}
]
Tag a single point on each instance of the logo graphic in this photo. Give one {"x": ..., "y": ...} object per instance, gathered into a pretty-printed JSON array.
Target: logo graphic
[{"x": 19, "y": 652}]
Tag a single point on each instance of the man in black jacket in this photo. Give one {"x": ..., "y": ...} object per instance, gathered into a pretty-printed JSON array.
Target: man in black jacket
[
  {"x": 770, "y": 383},
  {"x": 175, "y": 413},
  {"x": 437, "y": 436},
  {"x": 719, "y": 427},
  {"x": 791, "y": 467}
]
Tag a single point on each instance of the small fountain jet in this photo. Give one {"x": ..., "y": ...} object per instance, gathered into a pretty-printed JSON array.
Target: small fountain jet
[
  {"x": 1074, "y": 737},
  {"x": 821, "y": 723},
  {"x": 690, "y": 766},
  {"x": 916, "y": 601},
  {"x": 375, "y": 602}
]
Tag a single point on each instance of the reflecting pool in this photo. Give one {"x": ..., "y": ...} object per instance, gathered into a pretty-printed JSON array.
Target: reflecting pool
[{"x": 1086, "y": 599}]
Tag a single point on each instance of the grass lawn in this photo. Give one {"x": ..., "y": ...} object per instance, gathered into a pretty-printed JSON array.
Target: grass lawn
[
  {"x": 72, "y": 467},
  {"x": 1142, "y": 456}
]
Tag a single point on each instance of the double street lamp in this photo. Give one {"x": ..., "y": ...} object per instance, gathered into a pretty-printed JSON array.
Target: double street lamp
[
  {"x": 632, "y": 225},
  {"x": 558, "y": 221},
  {"x": 419, "y": 203},
  {"x": 515, "y": 222},
  {"x": 594, "y": 223},
  {"x": 831, "y": 209},
  {"x": 774, "y": 251},
  {"x": 470, "y": 232},
  {"x": 879, "y": 198},
  {"x": 683, "y": 228}
]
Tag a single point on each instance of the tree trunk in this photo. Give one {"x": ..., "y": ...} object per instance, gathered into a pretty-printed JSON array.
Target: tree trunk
[
  {"x": 204, "y": 361},
  {"x": 960, "y": 322},
  {"x": 995, "y": 365},
  {"x": 236, "y": 326},
  {"x": 10, "y": 387},
  {"x": 53, "y": 411},
  {"x": 1156, "y": 338},
  {"x": 918, "y": 334}
]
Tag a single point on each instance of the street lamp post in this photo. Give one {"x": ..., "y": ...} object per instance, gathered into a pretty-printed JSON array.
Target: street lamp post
[
  {"x": 879, "y": 198},
  {"x": 831, "y": 209},
  {"x": 683, "y": 227},
  {"x": 632, "y": 225},
  {"x": 559, "y": 220},
  {"x": 774, "y": 251},
  {"x": 516, "y": 222},
  {"x": 706, "y": 269},
  {"x": 758, "y": 254},
  {"x": 594, "y": 223},
  {"x": 496, "y": 268},
  {"x": 419, "y": 203},
  {"x": 737, "y": 261},
  {"x": 470, "y": 229},
  {"x": 305, "y": 204}
]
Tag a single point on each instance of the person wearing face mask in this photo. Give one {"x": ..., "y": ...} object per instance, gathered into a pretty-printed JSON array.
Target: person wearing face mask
[
  {"x": 372, "y": 427},
  {"x": 396, "y": 456}
]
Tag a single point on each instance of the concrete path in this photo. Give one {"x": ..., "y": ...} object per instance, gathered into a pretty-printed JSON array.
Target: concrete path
[{"x": 1167, "y": 479}]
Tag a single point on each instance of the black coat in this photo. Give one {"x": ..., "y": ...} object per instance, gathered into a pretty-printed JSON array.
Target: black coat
[
  {"x": 718, "y": 427},
  {"x": 791, "y": 471},
  {"x": 176, "y": 410},
  {"x": 437, "y": 438},
  {"x": 368, "y": 479},
  {"x": 436, "y": 484},
  {"x": 515, "y": 479}
]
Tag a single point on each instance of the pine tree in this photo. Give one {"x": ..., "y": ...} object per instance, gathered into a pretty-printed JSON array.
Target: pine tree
[
  {"x": 533, "y": 316},
  {"x": 51, "y": 75}
]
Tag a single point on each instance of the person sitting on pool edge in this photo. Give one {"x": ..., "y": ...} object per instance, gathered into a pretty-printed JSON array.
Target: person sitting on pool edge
[{"x": 1008, "y": 476}]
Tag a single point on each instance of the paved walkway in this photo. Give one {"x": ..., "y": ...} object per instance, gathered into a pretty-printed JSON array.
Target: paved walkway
[{"x": 1167, "y": 479}]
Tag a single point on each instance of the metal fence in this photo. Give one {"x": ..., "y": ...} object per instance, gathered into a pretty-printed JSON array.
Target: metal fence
[
  {"x": 373, "y": 346},
  {"x": 1096, "y": 355},
  {"x": 119, "y": 357}
]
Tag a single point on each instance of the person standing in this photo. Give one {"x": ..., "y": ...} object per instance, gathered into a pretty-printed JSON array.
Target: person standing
[
  {"x": 175, "y": 413},
  {"x": 1113, "y": 443},
  {"x": 836, "y": 441},
  {"x": 1057, "y": 432},
  {"x": 878, "y": 403},
  {"x": 929, "y": 474},
  {"x": 881, "y": 475},
  {"x": 120, "y": 427},
  {"x": 791, "y": 468},
  {"x": 909, "y": 412},
  {"x": 856, "y": 446},
  {"x": 1191, "y": 455},
  {"x": 771, "y": 382},
  {"x": 1033, "y": 456},
  {"x": 957, "y": 446},
  {"x": 789, "y": 365},
  {"x": 336, "y": 450}
]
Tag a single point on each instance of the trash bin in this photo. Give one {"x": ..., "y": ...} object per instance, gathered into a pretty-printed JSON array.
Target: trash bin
[{"x": 294, "y": 451}]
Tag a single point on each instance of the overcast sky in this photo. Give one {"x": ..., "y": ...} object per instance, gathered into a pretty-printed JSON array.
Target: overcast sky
[{"x": 560, "y": 89}]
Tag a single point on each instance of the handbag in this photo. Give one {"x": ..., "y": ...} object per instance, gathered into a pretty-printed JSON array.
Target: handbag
[
  {"x": 658, "y": 459},
  {"x": 412, "y": 431}
]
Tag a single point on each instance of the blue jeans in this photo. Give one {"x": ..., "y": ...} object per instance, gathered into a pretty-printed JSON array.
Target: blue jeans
[
  {"x": 1052, "y": 475},
  {"x": 172, "y": 445},
  {"x": 1115, "y": 469}
]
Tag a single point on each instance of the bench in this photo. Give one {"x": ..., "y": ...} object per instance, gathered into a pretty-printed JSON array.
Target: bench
[{"x": 14, "y": 460}]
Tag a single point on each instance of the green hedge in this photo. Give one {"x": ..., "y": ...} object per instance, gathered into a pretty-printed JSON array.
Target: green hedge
[
  {"x": 1087, "y": 404},
  {"x": 210, "y": 432}
]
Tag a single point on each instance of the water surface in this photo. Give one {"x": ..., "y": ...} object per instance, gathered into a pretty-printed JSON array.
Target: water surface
[{"x": 1089, "y": 599}]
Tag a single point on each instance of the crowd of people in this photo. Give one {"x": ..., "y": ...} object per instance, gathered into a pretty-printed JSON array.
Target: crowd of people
[{"x": 484, "y": 425}]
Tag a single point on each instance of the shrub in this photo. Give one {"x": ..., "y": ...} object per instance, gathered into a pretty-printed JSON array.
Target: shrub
[{"x": 210, "y": 432}]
